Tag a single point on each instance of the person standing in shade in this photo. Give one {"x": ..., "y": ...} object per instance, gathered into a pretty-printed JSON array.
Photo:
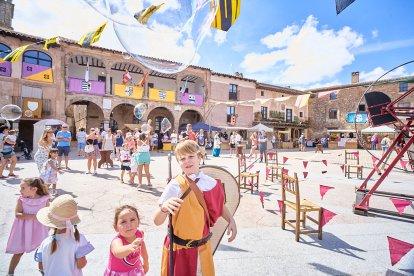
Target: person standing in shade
[
  {"x": 374, "y": 141},
  {"x": 273, "y": 141},
  {"x": 63, "y": 139},
  {"x": 262, "y": 145},
  {"x": 81, "y": 138},
  {"x": 302, "y": 142}
]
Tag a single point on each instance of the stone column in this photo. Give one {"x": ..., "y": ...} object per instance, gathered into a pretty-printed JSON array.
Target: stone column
[
  {"x": 177, "y": 87},
  {"x": 66, "y": 71},
  {"x": 108, "y": 66}
]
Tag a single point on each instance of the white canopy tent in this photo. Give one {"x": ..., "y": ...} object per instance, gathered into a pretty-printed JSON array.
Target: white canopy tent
[
  {"x": 259, "y": 127},
  {"x": 38, "y": 128},
  {"x": 378, "y": 129}
]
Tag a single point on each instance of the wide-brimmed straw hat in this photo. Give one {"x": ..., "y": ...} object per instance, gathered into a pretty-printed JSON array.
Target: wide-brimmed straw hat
[{"x": 62, "y": 213}]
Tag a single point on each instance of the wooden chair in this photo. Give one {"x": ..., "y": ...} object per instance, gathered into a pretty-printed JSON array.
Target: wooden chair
[
  {"x": 246, "y": 175},
  {"x": 351, "y": 165},
  {"x": 272, "y": 166},
  {"x": 290, "y": 187}
]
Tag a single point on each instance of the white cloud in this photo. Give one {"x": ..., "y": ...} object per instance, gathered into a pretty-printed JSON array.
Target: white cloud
[
  {"x": 307, "y": 55},
  {"x": 379, "y": 71},
  {"x": 374, "y": 33},
  {"x": 220, "y": 37},
  {"x": 384, "y": 46}
]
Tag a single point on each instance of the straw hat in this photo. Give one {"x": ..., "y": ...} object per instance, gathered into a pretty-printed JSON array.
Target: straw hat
[{"x": 61, "y": 213}]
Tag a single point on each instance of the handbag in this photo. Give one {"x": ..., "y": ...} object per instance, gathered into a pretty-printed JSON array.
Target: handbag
[{"x": 89, "y": 148}]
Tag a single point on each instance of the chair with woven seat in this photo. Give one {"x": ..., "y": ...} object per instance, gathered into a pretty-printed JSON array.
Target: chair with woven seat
[
  {"x": 272, "y": 166},
  {"x": 291, "y": 199},
  {"x": 351, "y": 165},
  {"x": 245, "y": 175}
]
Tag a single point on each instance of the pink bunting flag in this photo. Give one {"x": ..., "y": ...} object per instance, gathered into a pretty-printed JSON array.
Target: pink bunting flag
[
  {"x": 326, "y": 216},
  {"x": 403, "y": 163},
  {"x": 250, "y": 184},
  {"x": 267, "y": 172},
  {"x": 325, "y": 162},
  {"x": 284, "y": 182},
  {"x": 400, "y": 204},
  {"x": 305, "y": 164},
  {"x": 376, "y": 169},
  {"x": 280, "y": 203},
  {"x": 398, "y": 249},
  {"x": 305, "y": 174},
  {"x": 261, "y": 198},
  {"x": 323, "y": 172},
  {"x": 250, "y": 167},
  {"x": 374, "y": 159},
  {"x": 285, "y": 171},
  {"x": 356, "y": 154},
  {"x": 323, "y": 189},
  {"x": 270, "y": 154},
  {"x": 342, "y": 167},
  {"x": 285, "y": 159}
]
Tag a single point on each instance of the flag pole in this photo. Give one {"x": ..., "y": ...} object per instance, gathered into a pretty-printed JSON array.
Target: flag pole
[{"x": 171, "y": 254}]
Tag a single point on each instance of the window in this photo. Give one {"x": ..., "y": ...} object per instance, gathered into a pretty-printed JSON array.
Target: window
[
  {"x": 333, "y": 96},
  {"x": 263, "y": 111},
  {"x": 333, "y": 113},
  {"x": 262, "y": 93},
  {"x": 300, "y": 114},
  {"x": 233, "y": 92},
  {"x": 38, "y": 58},
  {"x": 403, "y": 86},
  {"x": 231, "y": 110},
  {"x": 361, "y": 108},
  {"x": 4, "y": 50},
  {"x": 288, "y": 115}
]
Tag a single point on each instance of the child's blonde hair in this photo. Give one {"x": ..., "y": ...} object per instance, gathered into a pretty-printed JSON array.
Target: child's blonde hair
[{"x": 186, "y": 147}]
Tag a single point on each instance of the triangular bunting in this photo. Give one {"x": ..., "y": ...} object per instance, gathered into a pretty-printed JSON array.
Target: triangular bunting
[
  {"x": 403, "y": 163},
  {"x": 267, "y": 172},
  {"x": 342, "y": 167},
  {"x": 285, "y": 171},
  {"x": 285, "y": 159},
  {"x": 280, "y": 203},
  {"x": 356, "y": 154},
  {"x": 326, "y": 216},
  {"x": 398, "y": 249},
  {"x": 305, "y": 164},
  {"x": 323, "y": 189},
  {"x": 400, "y": 204},
  {"x": 325, "y": 162},
  {"x": 270, "y": 154},
  {"x": 261, "y": 198},
  {"x": 374, "y": 159},
  {"x": 305, "y": 174}
]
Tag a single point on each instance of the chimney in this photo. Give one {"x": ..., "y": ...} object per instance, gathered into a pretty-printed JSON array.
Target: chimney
[
  {"x": 6, "y": 13},
  {"x": 355, "y": 77}
]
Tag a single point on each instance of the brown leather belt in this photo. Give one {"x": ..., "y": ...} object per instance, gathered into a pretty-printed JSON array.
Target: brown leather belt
[{"x": 192, "y": 243}]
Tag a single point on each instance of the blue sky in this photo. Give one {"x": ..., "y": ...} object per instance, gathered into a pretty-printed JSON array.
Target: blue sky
[{"x": 297, "y": 43}]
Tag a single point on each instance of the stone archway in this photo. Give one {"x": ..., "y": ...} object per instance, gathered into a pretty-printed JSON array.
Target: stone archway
[
  {"x": 122, "y": 114},
  {"x": 157, "y": 114},
  {"x": 190, "y": 116},
  {"x": 83, "y": 113}
]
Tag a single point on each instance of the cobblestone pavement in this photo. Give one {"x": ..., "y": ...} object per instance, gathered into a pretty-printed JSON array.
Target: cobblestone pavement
[{"x": 351, "y": 245}]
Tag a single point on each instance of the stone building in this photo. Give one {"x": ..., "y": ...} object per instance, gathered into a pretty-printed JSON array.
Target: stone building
[{"x": 334, "y": 108}]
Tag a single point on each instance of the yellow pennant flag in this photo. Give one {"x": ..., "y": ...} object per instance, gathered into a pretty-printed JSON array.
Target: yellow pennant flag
[
  {"x": 143, "y": 16},
  {"x": 15, "y": 54},
  {"x": 91, "y": 37},
  {"x": 51, "y": 42},
  {"x": 227, "y": 13}
]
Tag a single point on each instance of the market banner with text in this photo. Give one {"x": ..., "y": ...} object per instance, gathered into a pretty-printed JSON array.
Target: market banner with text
[{"x": 37, "y": 72}]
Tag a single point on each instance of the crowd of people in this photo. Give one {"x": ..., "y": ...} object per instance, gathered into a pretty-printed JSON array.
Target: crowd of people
[{"x": 48, "y": 225}]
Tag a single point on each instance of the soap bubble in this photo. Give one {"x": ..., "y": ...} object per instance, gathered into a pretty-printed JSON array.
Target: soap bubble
[
  {"x": 145, "y": 128},
  {"x": 168, "y": 42},
  {"x": 28, "y": 113},
  {"x": 165, "y": 125},
  {"x": 11, "y": 112},
  {"x": 139, "y": 110}
]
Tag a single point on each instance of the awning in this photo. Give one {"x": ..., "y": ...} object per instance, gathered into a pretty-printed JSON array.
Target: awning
[
  {"x": 233, "y": 128},
  {"x": 379, "y": 129},
  {"x": 260, "y": 127}
]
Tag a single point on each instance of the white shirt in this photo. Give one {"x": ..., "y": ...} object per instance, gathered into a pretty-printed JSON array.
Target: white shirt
[
  {"x": 125, "y": 155},
  {"x": 173, "y": 189},
  {"x": 238, "y": 138}
]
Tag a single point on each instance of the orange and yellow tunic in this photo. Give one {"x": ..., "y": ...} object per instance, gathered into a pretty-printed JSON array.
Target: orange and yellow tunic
[{"x": 191, "y": 223}]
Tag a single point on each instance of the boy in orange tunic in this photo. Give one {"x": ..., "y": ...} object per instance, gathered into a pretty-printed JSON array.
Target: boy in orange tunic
[{"x": 192, "y": 216}]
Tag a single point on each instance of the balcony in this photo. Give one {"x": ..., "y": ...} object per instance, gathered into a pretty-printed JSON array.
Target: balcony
[
  {"x": 128, "y": 91},
  {"x": 92, "y": 87},
  {"x": 233, "y": 96},
  {"x": 159, "y": 95},
  {"x": 192, "y": 99}
]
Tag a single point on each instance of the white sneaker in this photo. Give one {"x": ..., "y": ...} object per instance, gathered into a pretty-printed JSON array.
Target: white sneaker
[
  {"x": 88, "y": 172},
  {"x": 95, "y": 173}
]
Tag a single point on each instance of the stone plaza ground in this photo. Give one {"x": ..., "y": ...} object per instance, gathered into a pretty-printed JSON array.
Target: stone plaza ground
[{"x": 351, "y": 244}]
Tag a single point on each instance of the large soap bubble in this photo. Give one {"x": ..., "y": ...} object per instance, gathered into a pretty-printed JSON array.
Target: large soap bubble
[
  {"x": 165, "y": 125},
  {"x": 165, "y": 40},
  {"x": 139, "y": 110},
  {"x": 11, "y": 112}
]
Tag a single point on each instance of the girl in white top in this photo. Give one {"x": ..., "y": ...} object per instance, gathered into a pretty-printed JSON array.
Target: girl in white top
[
  {"x": 174, "y": 139},
  {"x": 64, "y": 252},
  {"x": 108, "y": 141}
]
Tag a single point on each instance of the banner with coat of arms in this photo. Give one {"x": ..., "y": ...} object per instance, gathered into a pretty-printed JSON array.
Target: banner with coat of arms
[
  {"x": 159, "y": 95},
  {"x": 32, "y": 108},
  {"x": 128, "y": 91}
]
